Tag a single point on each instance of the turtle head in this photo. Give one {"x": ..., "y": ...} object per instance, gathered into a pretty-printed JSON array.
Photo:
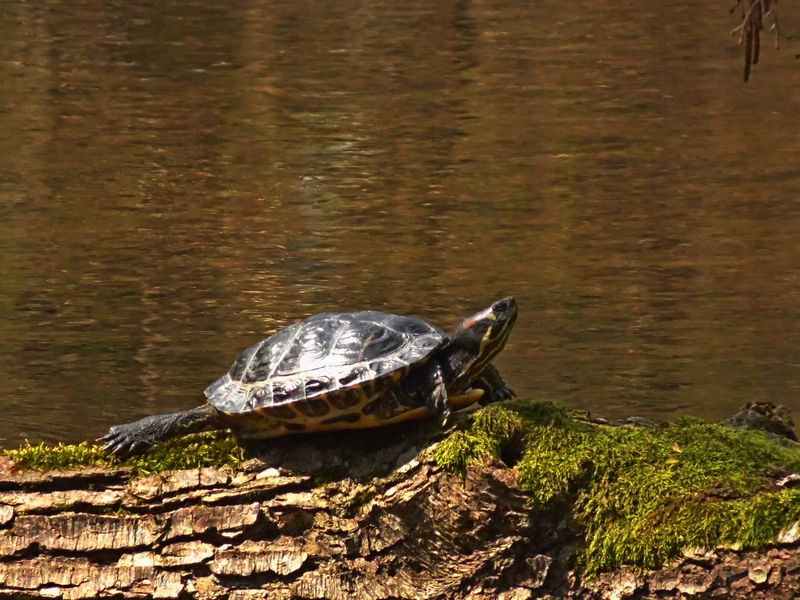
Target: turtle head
[{"x": 480, "y": 337}]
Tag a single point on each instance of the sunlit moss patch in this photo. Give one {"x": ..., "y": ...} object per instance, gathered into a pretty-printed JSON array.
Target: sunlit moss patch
[
  {"x": 639, "y": 495},
  {"x": 61, "y": 457},
  {"x": 192, "y": 451}
]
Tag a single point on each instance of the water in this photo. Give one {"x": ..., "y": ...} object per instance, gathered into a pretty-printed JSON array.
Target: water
[{"x": 178, "y": 180}]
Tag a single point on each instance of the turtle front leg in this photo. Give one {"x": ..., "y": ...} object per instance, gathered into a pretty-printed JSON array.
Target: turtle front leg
[
  {"x": 493, "y": 386},
  {"x": 131, "y": 438},
  {"x": 439, "y": 400}
]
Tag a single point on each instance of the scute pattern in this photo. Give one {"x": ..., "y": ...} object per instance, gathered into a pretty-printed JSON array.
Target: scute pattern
[
  {"x": 332, "y": 356},
  {"x": 309, "y": 348}
]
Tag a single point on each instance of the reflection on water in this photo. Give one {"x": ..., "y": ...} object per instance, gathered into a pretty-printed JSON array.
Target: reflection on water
[{"x": 178, "y": 181}]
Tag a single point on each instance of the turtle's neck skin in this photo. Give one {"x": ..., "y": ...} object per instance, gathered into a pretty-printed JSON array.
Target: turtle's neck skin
[{"x": 460, "y": 354}]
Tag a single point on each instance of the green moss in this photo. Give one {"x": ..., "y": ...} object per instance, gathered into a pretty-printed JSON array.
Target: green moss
[
  {"x": 493, "y": 431},
  {"x": 359, "y": 499},
  {"x": 213, "y": 449},
  {"x": 192, "y": 451},
  {"x": 639, "y": 495},
  {"x": 49, "y": 458}
]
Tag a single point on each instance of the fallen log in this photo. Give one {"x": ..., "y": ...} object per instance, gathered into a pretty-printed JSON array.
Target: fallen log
[{"x": 387, "y": 514}]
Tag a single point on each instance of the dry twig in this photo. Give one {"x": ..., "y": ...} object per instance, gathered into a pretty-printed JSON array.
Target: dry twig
[{"x": 751, "y": 27}]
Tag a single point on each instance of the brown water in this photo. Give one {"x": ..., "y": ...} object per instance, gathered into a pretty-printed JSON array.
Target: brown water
[{"x": 179, "y": 179}]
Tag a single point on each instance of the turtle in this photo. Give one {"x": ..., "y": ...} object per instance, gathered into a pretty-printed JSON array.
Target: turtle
[{"x": 344, "y": 370}]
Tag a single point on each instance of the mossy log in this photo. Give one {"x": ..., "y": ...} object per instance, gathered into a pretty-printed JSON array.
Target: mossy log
[{"x": 368, "y": 515}]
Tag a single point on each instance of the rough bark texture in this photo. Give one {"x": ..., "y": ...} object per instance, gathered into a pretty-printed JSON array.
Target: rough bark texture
[{"x": 397, "y": 527}]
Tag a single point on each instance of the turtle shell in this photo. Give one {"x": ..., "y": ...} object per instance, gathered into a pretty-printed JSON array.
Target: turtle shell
[{"x": 325, "y": 366}]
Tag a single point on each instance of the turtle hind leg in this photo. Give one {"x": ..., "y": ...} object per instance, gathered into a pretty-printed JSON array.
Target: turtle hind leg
[
  {"x": 132, "y": 438},
  {"x": 493, "y": 386}
]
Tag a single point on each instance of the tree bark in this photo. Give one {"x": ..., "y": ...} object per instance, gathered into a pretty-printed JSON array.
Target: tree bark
[{"x": 396, "y": 527}]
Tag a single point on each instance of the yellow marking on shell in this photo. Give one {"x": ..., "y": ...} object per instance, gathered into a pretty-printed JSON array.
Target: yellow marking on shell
[
  {"x": 273, "y": 428},
  {"x": 267, "y": 413},
  {"x": 469, "y": 398},
  {"x": 306, "y": 410},
  {"x": 365, "y": 397},
  {"x": 343, "y": 400},
  {"x": 256, "y": 424},
  {"x": 396, "y": 376}
]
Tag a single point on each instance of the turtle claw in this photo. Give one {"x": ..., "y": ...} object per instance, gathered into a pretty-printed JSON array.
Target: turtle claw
[
  {"x": 497, "y": 395},
  {"x": 132, "y": 438},
  {"x": 121, "y": 440}
]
